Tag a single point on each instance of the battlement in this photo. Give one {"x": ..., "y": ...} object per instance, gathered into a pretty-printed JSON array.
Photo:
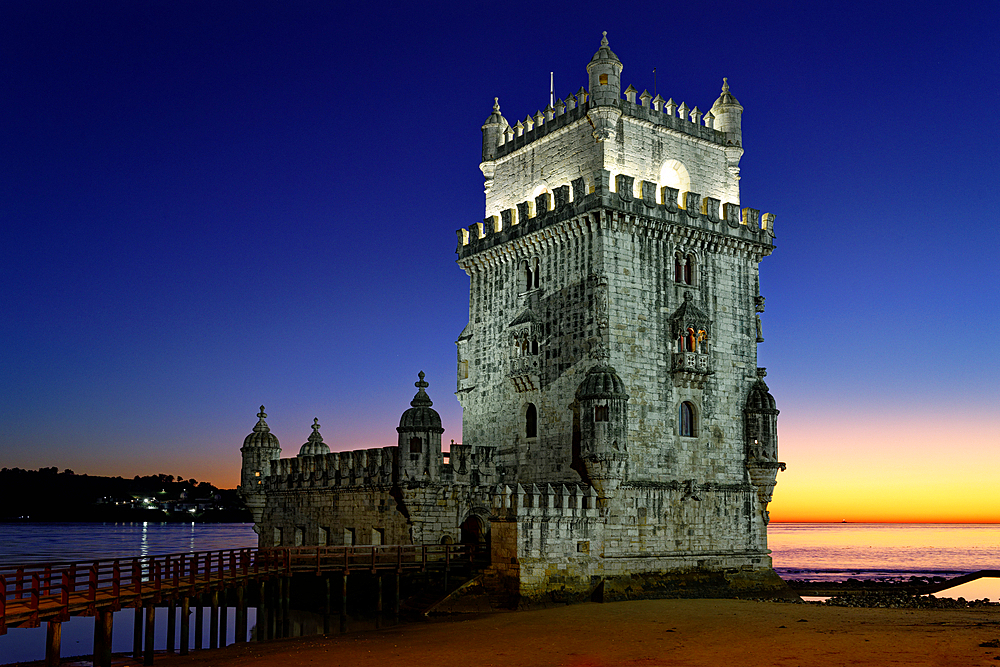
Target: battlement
[
  {"x": 660, "y": 113},
  {"x": 643, "y": 200},
  {"x": 360, "y": 467},
  {"x": 551, "y": 501},
  {"x": 375, "y": 467}
]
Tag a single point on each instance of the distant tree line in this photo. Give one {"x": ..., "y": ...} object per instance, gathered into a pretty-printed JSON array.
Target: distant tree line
[{"x": 47, "y": 494}]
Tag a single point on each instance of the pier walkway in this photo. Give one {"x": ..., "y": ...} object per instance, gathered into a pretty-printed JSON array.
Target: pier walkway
[{"x": 54, "y": 592}]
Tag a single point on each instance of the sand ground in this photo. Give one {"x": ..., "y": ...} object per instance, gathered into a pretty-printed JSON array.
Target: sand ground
[{"x": 650, "y": 632}]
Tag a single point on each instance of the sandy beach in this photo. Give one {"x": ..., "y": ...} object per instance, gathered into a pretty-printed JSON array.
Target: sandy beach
[{"x": 648, "y": 632}]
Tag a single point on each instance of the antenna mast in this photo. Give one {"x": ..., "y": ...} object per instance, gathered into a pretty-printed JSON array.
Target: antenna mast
[{"x": 552, "y": 101}]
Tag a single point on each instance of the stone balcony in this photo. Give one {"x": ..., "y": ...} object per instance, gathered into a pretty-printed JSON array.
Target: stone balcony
[
  {"x": 524, "y": 372},
  {"x": 691, "y": 369}
]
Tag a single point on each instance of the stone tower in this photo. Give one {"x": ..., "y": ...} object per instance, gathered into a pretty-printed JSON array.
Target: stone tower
[
  {"x": 611, "y": 351},
  {"x": 260, "y": 451}
]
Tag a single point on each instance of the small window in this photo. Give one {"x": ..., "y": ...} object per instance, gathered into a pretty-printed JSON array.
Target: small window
[
  {"x": 299, "y": 532},
  {"x": 276, "y": 538},
  {"x": 687, "y": 425},
  {"x": 323, "y": 537},
  {"x": 600, "y": 413},
  {"x": 604, "y": 79},
  {"x": 531, "y": 421},
  {"x": 348, "y": 537},
  {"x": 378, "y": 536},
  {"x": 416, "y": 446},
  {"x": 684, "y": 269}
]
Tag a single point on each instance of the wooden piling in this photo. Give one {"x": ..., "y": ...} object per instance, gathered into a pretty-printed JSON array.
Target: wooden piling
[
  {"x": 223, "y": 618},
  {"x": 137, "y": 633},
  {"x": 171, "y": 624},
  {"x": 199, "y": 622},
  {"x": 262, "y": 618},
  {"x": 213, "y": 619},
  {"x": 102, "y": 638},
  {"x": 241, "y": 615},
  {"x": 343, "y": 603},
  {"x": 147, "y": 654},
  {"x": 395, "y": 601},
  {"x": 53, "y": 642},
  {"x": 378, "y": 601},
  {"x": 185, "y": 624},
  {"x": 327, "y": 604},
  {"x": 286, "y": 617}
]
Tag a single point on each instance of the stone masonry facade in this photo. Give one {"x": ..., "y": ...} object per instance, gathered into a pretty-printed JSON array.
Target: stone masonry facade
[{"x": 619, "y": 439}]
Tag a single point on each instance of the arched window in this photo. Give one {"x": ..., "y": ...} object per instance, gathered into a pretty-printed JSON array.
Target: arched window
[
  {"x": 683, "y": 268},
  {"x": 528, "y": 276},
  {"x": 531, "y": 422},
  {"x": 600, "y": 413},
  {"x": 415, "y": 446},
  {"x": 690, "y": 341},
  {"x": 687, "y": 425}
]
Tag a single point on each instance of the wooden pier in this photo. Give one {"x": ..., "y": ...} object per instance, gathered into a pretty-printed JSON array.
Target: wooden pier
[{"x": 51, "y": 593}]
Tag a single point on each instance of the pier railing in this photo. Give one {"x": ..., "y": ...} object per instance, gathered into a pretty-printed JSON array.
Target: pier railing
[{"x": 55, "y": 591}]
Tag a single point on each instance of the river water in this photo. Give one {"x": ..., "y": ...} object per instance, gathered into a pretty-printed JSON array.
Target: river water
[{"x": 821, "y": 552}]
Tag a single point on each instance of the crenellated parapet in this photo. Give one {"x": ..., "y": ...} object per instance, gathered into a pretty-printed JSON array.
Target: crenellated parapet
[
  {"x": 549, "y": 501},
  {"x": 665, "y": 114},
  {"x": 644, "y": 199},
  {"x": 376, "y": 468}
]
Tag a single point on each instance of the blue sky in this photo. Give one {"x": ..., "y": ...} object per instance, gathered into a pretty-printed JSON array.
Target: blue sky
[{"x": 212, "y": 205}]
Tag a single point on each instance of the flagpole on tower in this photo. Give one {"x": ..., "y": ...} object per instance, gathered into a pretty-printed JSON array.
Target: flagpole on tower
[{"x": 552, "y": 101}]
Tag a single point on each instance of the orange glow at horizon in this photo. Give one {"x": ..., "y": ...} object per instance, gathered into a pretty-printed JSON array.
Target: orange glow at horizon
[{"x": 892, "y": 468}]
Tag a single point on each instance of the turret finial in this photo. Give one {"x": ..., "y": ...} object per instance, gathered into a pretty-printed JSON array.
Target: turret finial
[
  {"x": 496, "y": 104},
  {"x": 315, "y": 426},
  {"x": 604, "y": 38},
  {"x": 261, "y": 414},
  {"x": 725, "y": 84},
  {"x": 421, "y": 399}
]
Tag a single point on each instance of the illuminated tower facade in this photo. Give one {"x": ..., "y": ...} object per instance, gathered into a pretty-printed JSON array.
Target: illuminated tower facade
[{"x": 611, "y": 352}]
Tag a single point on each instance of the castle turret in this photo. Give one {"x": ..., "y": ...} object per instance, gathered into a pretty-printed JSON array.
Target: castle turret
[
  {"x": 603, "y": 428},
  {"x": 761, "y": 430},
  {"x": 314, "y": 446},
  {"x": 493, "y": 130},
  {"x": 259, "y": 450},
  {"x": 420, "y": 438},
  {"x": 728, "y": 113},
  {"x": 605, "y": 74}
]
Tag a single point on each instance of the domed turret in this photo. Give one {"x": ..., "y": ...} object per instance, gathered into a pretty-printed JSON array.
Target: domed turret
[
  {"x": 728, "y": 114},
  {"x": 601, "y": 382},
  {"x": 419, "y": 441},
  {"x": 314, "y": 446},
  {"x": 261, "y": 435},
  {"x": 493, "y": 128},
  {"x": 421, "y": 415},
  {"x": 603, "y": 429},
  {"x": 259, "y": 450},
  {"x": 761, "y": 430},
  {"x": 605, "y": 74}
]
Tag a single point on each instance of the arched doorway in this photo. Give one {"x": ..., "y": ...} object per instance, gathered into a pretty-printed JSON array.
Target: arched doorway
[{"x": 474, "y": 531}]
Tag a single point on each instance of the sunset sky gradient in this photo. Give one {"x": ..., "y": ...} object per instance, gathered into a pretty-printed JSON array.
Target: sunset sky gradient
[{"x": 212, "y": 205}]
